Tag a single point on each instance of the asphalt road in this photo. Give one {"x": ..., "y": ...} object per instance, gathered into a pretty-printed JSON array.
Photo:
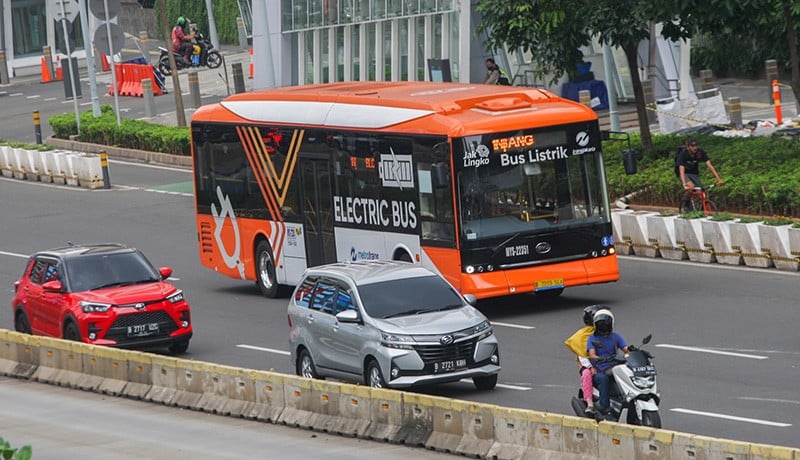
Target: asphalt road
[{"x": 724, "y": 338}]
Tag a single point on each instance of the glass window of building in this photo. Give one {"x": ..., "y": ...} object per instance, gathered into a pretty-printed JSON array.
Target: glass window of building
[{"x": 29, "y": 26}]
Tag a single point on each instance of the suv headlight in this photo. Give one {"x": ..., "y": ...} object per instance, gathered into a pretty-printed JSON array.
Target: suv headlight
[
  {"x": 401, "y": 341},
  {"x": 643, "y": 383},
  {"x": 484, "y": 330},
  {"x": 94, "y": 307},
  {"x": 175, "y": 297}
]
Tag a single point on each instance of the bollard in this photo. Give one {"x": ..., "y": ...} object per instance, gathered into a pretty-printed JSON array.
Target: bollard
[
  {"x": 735, "y": 111},
  {"x": 194, "y": 89},
  {"x": 649, "y": 101},
  {"x": 242, "y": 33},
  {"x": 772, "y": 74},
  {"x": 238, "y": 77},
  {"x": 104, "y": 164},
  {"x": 48, "y": 59},
  {"x": 776, "y": 96},
  {"x": 37, "y": 127},
  {"x": 585, "y": 97},
  {"x": 149, "y": 98},
  {"x": 706, "y": 77},
  {"x": 144, "y": 40},
  {"x": 3, "y": 68}
]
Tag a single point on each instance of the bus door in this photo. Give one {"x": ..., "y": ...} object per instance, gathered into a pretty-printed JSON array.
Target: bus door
[{"x": 317, "y": 209}]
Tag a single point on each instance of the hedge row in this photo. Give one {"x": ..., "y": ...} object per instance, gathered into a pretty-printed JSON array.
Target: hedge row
[
  {"x": 134, "y": 134},
  {"x": 761, "y": 174}
]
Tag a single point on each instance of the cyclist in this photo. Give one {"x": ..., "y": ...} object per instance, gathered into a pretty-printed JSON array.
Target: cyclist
[{"x": 686, "y": 167}]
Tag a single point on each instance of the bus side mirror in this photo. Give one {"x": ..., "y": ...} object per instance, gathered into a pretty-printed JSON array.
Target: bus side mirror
[
  {"x": 441, "y": 175},
  {"x": 629, "y": 161}
]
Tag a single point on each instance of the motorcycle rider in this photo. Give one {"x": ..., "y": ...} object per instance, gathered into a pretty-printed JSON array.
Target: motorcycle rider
[
  {"x": 603, "y": 344},
  {"x": 577, "y": 343},
  {"x": 182, "y": 42}
]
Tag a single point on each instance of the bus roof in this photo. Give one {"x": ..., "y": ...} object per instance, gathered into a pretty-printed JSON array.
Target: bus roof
[{"x": 452, "y": 108}]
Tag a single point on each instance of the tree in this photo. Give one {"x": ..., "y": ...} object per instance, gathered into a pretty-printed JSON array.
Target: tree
[{"x": 553, "y": 32}]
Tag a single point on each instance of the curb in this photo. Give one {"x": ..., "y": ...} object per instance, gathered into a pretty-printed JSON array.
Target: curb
[{"x": 121, "y": 152}]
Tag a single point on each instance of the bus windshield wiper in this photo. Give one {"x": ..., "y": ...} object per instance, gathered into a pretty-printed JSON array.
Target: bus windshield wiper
[{"x": 503, "y": 243}]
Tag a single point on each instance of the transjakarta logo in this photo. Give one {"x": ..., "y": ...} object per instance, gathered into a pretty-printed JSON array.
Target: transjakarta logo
[
  {"x": 477, "y": 157},
  {"x": 396, "y": 171},
  {"x": 381, "y": 213},
  {"x": 582, "y": 139},
  {"x": 533, "y": 156},
  {"x": 363, "y": 255}
]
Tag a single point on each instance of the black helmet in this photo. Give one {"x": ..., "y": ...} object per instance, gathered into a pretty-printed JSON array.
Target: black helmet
[
  {"x": 588, "y": 313},
  {"x": 603, "y": 322}
]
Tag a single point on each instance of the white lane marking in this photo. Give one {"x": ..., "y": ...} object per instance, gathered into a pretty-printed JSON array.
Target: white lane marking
[
  {"x": 731, "y": 417},
  {"x": 517, "y": 326},
  {"x": 143, "y": 165},
  {"x": 13, "y": 254},
  {"x": 501, "y": 385},
  {"x": 268, "y": 350},
  {"x": 48, "y": 99},
  {"x": 15, "y": 94},
  {"x": 33, "y": 96},
  {"x": 709, "y": 350},
  {"x": 85, "y": 103},
  {"x": 707, "y": 266},
  {"x": 773, "y": 400}
]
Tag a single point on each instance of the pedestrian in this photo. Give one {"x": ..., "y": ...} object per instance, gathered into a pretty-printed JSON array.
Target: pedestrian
[{"x": 495, "y": 75}]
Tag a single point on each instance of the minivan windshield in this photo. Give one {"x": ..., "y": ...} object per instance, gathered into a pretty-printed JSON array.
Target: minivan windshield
[{"x": 411, "y": 296}]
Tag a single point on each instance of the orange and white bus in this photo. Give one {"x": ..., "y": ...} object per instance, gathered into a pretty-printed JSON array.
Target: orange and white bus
[{"x": 499, "y": 189}]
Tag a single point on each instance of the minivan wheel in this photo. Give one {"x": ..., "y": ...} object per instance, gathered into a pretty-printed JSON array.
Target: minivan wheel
[
  {"x": 487, "y": 382},
  {"x": 374, "y": 375},
  {"x": 305, "y": 366}
]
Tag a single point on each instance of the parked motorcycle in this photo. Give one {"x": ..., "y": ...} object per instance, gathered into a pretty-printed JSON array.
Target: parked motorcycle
[
  {"x": 209, "y": 58},
  {"x": 633, "y": 389}
]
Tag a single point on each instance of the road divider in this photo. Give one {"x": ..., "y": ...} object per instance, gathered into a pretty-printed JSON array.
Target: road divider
[
  {"x": 52, "y": 166},
  {"x": 463, "y": 427}
]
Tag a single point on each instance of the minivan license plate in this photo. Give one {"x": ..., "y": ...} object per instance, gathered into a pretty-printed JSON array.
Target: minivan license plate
[
  {"x": 449, "y": 366},
  {"x": 141, "y": 330}
]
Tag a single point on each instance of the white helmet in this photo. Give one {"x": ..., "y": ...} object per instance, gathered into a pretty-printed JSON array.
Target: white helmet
[{"x": 603, "y": 322}]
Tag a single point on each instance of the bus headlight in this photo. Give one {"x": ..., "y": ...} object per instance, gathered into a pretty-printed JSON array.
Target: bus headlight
[{"x": 470, "y": 269}]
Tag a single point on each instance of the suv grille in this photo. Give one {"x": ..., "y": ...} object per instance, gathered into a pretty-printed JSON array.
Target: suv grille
[
  {"x": 119, "y": 330},
  {"x": 438, "y": 353}
]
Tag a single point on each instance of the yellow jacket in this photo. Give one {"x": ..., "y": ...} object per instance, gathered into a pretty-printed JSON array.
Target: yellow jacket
[{"x": 577, "y": 342}]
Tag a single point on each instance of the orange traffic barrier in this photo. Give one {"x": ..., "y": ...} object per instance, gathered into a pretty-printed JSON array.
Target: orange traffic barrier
[
  {"x": 59, "y": 70},
  {"x": 46, "y": 77},
  {"x": 129, "y": 80},
  {"x": 252, "y": 65},
  {"x": 104, "y": 62}
]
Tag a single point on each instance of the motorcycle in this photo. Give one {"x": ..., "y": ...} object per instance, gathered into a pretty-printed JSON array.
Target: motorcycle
[
  {"x": 633, "y": 389},
  {"x": 203, "y": 55}
]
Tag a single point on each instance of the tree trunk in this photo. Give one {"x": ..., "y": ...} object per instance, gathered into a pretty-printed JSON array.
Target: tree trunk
[
  {"x": 638, "y": 91},
  {"x": 180, "y": 112},
  {"x": 791, "y": 35}
]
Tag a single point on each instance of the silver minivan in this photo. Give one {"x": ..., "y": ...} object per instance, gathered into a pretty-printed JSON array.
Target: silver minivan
[{"x": 388, "y": 324}]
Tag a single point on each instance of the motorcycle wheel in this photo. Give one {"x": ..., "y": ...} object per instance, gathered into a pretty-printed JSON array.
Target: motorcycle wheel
[
  {"x": 651, "y": 419},
  {"x": 213, "y": 60},
  {"x": 579, "y": 406},
  {"x": 163, "y": 66}
]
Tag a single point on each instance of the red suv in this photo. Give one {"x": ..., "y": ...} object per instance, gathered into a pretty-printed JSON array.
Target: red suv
[{"x": 104, "y": 294}]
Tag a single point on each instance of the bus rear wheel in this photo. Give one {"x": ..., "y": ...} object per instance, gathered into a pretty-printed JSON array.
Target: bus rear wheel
[{"x": 266, "y": 279}]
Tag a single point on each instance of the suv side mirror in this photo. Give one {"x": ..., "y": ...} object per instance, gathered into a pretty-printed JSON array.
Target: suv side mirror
[
  {"x": 165, "y": 272},
  {"x": 52, "y": 286}
]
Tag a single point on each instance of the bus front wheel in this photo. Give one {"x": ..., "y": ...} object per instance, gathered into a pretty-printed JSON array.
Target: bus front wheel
[{"x": 265, "y": 271}]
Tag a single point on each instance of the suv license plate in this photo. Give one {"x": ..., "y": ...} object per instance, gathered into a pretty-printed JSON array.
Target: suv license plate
[
  {"x": 449, "y": 366},
  {"x": 141, "y": 330}
]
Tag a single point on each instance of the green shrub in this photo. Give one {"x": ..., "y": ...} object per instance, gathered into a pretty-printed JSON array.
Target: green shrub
[
  {"x": 749, "y": 220},
  {"x": 721, "y": 217},
  {"x": 693, "y": 215},
  {"x": 9, "y": 453},
  {"x": 778, "y": 220}
]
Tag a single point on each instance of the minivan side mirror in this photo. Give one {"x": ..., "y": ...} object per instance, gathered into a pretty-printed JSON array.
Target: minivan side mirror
[
  {"x": 348, "y": 316},
  {"x": 471, "y": 299}
]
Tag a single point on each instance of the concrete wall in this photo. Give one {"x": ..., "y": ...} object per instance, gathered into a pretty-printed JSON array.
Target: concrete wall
[{"x": 462, "y": 427}]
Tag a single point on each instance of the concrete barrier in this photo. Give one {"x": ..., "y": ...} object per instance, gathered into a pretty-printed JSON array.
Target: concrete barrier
[
  {"x": 689, "y": 235},
  {"x": 57, "y": 167},
  {"x": 30, "y": 165},
  {"x": 18, "y": 162},
  {"x": 661, "y": 233},
  {"x": 775, "y": 239},
  {"x": 623, "y": 248},
  {"x": 6, "y": 158},
  {"x": 717, "y": 236},
  {"x": 90, "y": 171},
  {"x": 746, "y": 239},
  {"x": 463, "y": 427},
  {"x": 634, "y": 233}
]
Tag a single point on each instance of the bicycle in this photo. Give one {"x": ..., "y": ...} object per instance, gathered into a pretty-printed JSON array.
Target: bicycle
[{"x": 698, "y": 201}]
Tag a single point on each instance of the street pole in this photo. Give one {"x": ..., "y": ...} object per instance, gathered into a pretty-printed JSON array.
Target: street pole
[
  {"x": 113, "y": 65},
  {"x": 212, "y": 25},
  {"x": 72, "y": 70},
  {"x": 87, "y": 41},
  {"x": 180, "y": 112}
]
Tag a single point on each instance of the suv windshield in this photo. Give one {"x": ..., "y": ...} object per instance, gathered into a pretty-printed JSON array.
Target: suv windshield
[
  {"x": 105, "y": 270},
  {"x": 419, "y": 295}
]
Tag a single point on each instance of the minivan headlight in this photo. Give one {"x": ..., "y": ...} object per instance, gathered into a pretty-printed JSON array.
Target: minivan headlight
[
  {"x": 484, "y": 329},
  {"x": 175, "y": 297},
  {"x": 94, "y": 307},
  {"x": 401, "y": 341}
]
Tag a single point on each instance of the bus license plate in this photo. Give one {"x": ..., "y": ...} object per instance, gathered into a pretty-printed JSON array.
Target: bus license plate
[
  {"x": 449, "y": 366},
  {"x": 555, "y": 283},
  {"x": 141, "y": 330}
]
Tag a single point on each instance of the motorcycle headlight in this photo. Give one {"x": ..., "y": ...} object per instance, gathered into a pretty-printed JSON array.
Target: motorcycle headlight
[
  {"x": 175, "y": 297},
  {"x": 94, "y": 307},
  {"x": 484, "y": 330},
  {"x": 643, "y": 383},
  {"x": 401, "y": 341}
]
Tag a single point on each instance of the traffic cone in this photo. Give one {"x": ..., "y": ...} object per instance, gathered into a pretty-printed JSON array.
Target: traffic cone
[
  {"x": 252, "y": 66},
  {"x": 46, "y": 77},
  {"x": 59, "y": 71},
  {"x": 104, "y": 61}
]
